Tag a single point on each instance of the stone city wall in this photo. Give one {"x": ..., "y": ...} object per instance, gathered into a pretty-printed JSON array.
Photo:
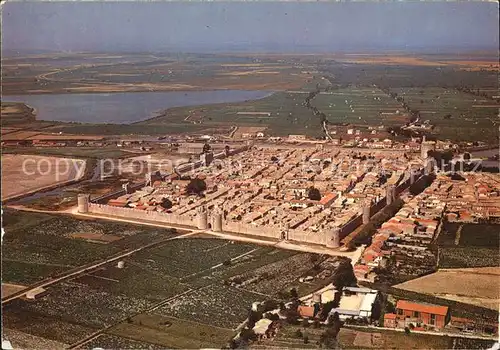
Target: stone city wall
[
  {"x": 308, "y": 236},
  {"x": 132, "y": 213},
  {"x": 274, "y": 232}
]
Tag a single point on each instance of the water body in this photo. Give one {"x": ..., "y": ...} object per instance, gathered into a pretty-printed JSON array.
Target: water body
[{"x": 124, "y": 108}]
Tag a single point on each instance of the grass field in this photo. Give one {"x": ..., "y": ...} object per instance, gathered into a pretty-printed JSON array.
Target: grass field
[
  {"x": 63, "y": 73},
  {"x": 36, "y": 246},
  {"x": 170, "y": 332},
  {"x": 477, "y": 246},
  {"x": 360, "y": 105},
  {"x": 191, "y": 272},
  {"x": 468, "y": 117},
  {"x": 287, "y": 115}
]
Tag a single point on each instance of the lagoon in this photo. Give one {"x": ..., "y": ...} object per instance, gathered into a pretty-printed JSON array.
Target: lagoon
[{"x": 124, "y": 108}]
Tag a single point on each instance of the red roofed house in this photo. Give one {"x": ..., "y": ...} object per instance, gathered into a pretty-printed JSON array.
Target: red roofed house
[
  {"x": 306, "y": 311},
  {"x": 390, "y": 321},
  {"x": 328, "y": 199},
  {"x": 420, "y": 314}
]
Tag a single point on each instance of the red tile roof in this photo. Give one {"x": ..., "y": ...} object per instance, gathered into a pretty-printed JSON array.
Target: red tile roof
[
  {"x": 327, "y": 198},
  {"x": 390, "y": 316},
  {"x": 362, "y": 268},
  {"x": 426, "y": 308},
  {"x": 306, "y": 311}
]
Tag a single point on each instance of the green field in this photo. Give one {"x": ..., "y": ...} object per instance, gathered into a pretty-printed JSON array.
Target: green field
[
  {"x": 370, "y": 106},
  {"x": 216, "y": 305},
  {"x": 169, "y": 332},
  {"x": 288, "y": 115},
  {"x": 455, "y": 115},
  {"x": 188, "y": 276},
  {"x": 462, "y": 257},
  {"x": 477, "y": 247},
  {"x": 38, "y": 245}
]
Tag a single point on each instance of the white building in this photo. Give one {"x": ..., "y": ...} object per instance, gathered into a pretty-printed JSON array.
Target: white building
[{"x": 356, "y": 302}]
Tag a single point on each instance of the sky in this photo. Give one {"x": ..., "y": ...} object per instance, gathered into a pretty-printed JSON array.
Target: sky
[{"x": 248, "y": 26}]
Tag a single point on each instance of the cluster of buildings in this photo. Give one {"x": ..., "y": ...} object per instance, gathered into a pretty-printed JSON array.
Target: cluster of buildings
[
  {"x": 353, "y": 303},
  {"x": 401, "y": 246},
  {"x": 470, "y": 197},
  {"x": 418, "y": 316},
  {"x": 15, "y": 138},
  {"x": 272, "y": 187},
  {"x": 421, "y": 316},
  {"x": 402, "y": 243}
]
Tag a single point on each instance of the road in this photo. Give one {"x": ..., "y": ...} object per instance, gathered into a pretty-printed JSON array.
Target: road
[{"x": 90, "y": 267}]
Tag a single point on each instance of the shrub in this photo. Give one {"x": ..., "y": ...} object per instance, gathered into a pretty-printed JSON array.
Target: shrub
[
  {"x": 270, "y": 305},
  {"x": 313, "y": 194},
  {"x": 248, "y": 334},
  {"x": 272, "y": 317},
  {"x": 298, "y": 333},
  {"x": 407, "y": 330},
  {"x": 196, "y": 186}
]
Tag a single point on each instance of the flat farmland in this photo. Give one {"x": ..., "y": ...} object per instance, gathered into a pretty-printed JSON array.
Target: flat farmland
[
  {"x": 360, "y": 105},
  {"x": 36, "y": 246},
  {"x": 170, "y": 332},
  {"x": 173, "y": 295},
  {"x": 350, "y": 338},
  {"x": 101, "y": 309},
  {"x": 281, "y": 113},
  {"x": 470, "y": 285},
  {"x": 470, "y": 235},
  {"x": 23, "y": 174},
  {"x": 17, "y": 317},
  {"x": 477, "y": 245},
  {"x": 108, "y": 341},
  {"x": 278, "y": 276},
  {"x": 455, "y": 114},
  {"x": 143, "y": 72},
  {"x": 480, "y": 235},
  {"x": 23, "y": 340},
  {"x": 15, "y": 113},
  {"x": 191, "y": 256},
  {"x": 355, "y": 339},
  {"x": 463, "y": 257},
  {"x": 77, "y": 152},
  {"x": 133, "y": 281},
  {"x": 215, "y": 304}
]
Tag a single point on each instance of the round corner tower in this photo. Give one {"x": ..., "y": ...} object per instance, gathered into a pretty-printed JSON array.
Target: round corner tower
[
  {"x": 333, "y": 240},
  {"x": 217, "y": 222},
  {"x": 83, "y": 203},
  {"x": 367, "y": 211},
  {"x": 202, "y": 219}
]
